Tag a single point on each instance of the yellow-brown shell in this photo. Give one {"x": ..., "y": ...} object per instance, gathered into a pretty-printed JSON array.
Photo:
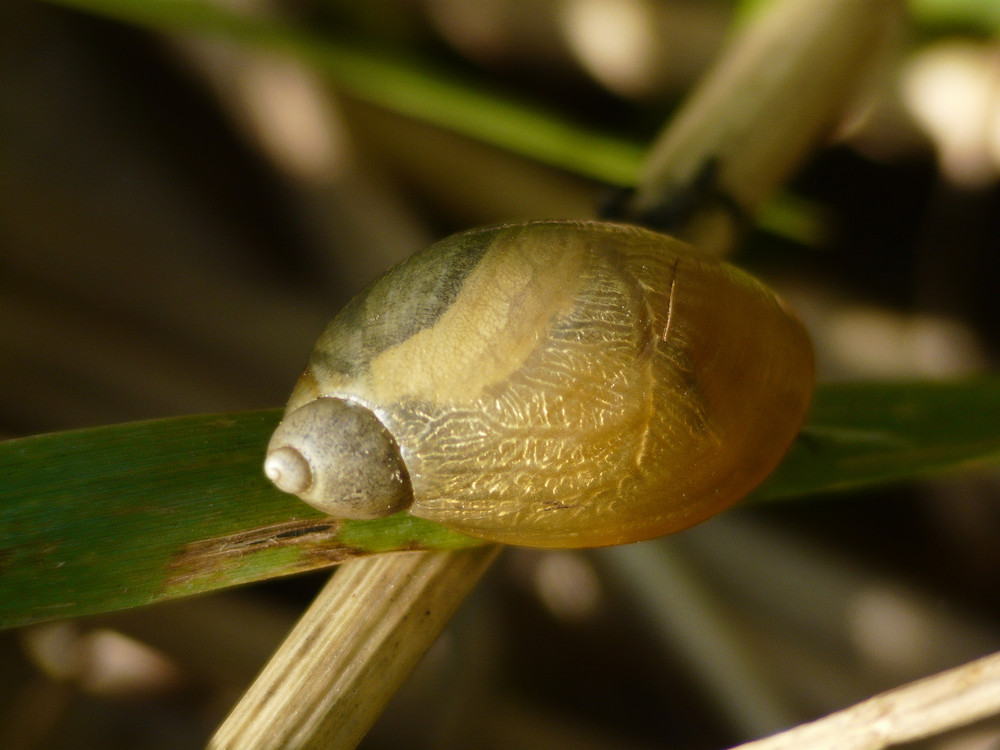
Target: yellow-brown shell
[{"x": 569, "y": 384}]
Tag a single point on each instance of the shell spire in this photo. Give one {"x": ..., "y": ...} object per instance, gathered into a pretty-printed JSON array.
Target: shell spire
[{"x": 340, "y": 459}]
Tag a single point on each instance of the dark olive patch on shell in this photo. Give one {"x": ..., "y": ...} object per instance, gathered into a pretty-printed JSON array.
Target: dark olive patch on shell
[{"x": 408, "y": 298}]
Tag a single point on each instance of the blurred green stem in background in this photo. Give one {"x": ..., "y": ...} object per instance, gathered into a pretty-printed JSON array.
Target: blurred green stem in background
[{"x": 408, "y": 85}]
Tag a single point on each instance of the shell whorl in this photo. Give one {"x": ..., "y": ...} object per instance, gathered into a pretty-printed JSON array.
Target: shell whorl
[{"x": 340, "y": 459}]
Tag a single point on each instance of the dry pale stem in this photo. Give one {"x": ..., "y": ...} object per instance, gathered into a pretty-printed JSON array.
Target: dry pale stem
[
  {"x": 925, "y": 708},
  {"x": 784, "y": 82},
  {"x": 351, "y": 650}
]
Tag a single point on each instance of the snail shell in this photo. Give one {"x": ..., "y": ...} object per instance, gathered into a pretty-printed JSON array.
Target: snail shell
[{"x": 552, "y": 384}]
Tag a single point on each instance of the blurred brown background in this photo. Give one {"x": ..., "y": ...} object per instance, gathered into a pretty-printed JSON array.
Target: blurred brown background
[{"x": 179, "y": 218}]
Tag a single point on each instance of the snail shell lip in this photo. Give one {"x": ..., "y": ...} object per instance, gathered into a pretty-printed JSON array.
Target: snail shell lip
[{"x": 288, "y": 469}]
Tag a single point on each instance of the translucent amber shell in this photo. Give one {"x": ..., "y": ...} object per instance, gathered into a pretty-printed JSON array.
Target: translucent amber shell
[{"x": 570, "y": 384}]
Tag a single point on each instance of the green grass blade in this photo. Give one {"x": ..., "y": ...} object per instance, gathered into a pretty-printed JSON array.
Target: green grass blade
[
  {"x": 860, "y": 435},
  {"x": 116, "y": 517}
]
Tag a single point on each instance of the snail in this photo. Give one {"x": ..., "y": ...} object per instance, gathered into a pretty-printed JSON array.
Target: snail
[{"x": 548, "y": 384}]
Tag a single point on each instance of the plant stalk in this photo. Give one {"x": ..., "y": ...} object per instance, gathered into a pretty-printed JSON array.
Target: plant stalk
[
  {"x": 357, "y": 642},
  {"x": 784, "y": 83}
]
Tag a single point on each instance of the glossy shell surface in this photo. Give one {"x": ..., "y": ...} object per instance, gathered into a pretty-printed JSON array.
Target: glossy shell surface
[{"x": 564, "y": 384}]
